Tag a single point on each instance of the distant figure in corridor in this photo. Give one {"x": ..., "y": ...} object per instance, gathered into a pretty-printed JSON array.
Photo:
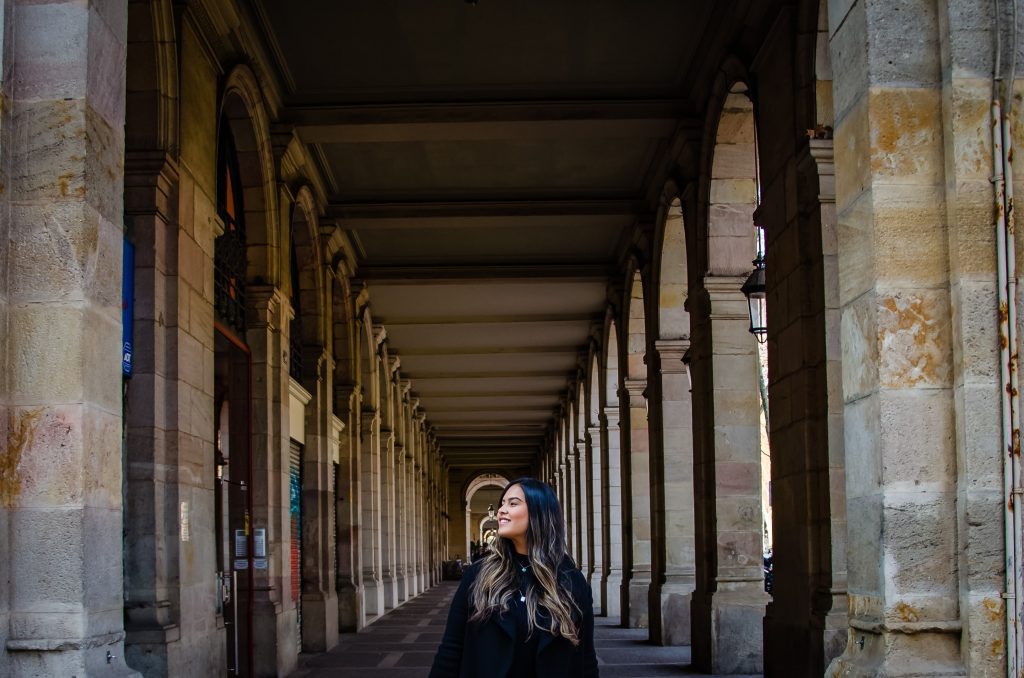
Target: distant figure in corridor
[{"x": 525, "y": 610}]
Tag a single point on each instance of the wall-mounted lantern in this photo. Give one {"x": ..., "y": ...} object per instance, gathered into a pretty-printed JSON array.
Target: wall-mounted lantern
[
  {"x": 688, "y": 361},
  {"x": 755, "y": 291}
]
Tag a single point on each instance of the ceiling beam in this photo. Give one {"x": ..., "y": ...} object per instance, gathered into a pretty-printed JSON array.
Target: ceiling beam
[
  {"x": 415, "y": 275},
  {"x": 485, "y": 208},
  {"x": 489, "y": 350},
  {"x": 391, "y": 123},
  {"x": 427, "y": 393},
  {"x": 511, "y": 319},
  {"x": 512, "y": 374}
]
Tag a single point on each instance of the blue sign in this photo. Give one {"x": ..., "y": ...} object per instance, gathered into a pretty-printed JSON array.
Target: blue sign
[{"x": 127, "y": 306}]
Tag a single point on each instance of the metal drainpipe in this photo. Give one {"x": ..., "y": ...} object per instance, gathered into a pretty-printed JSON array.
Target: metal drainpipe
[
  {"x": 1005, "y": 399},
  {"x": 1013, "y": 519}
]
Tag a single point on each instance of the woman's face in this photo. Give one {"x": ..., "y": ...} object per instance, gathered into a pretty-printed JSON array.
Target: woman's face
[{"x": 513, "y": 516}]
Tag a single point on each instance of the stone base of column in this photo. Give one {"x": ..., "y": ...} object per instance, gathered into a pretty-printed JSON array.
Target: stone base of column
[
  {"x": 898, "y": 655},
  {"x": 733, "y": 639},
  {"x": 403, "y": 588},
  {"x": 319, "y": 622},
  {"x": 597, "y": 593},
  {"x": 351, "y": 616},
  {"x": 373, "y": 597},
  {"x": 390, "y": 587},
  {"x": 675, "y": 598},
  {"x": 161, "y": 651},
  {"x": 612, "y": 583},
  {"x": 275, "y": 651},
  {"x": 639, "y": 599},
  {"x": 837, "y": 626},
  {"x": 84, "y": 657}
]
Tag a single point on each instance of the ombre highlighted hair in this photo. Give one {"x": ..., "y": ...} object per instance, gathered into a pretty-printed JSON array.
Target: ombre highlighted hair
[{"x": 549, "y": 603}]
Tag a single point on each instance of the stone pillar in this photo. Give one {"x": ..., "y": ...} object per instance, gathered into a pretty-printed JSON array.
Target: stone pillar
[
  {"x": 348, "y": 497},
  {"x": 274, "y": 639},
  {"x": 920, "y": 377},
  {"x": 319, "y": 594},
  {"x": 585, "y": 530},
  {"x": 806, "y": 622},
  {"x": 423, "y": 531},
  {"x": 401, "y": 552},
  {"x": 611, "y": 582},
  {"x": 158, "y": 437},
  {"x": 387, "y": 492},
  {"x": 369, "y": 528},
  {"x": 598, "y": 511},
  {"x": 640, "y": 502},
  {"x": 675, "y": 578},
  {"x": 571, "y": 493},
  {"x": 729, "y": 601},
  {"x": 60, "y": 488}
]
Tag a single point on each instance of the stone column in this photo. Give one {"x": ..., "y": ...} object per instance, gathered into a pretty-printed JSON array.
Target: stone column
[
  {"x": 611, "y": 582},
  {"x": 640, "y": 503},
  {"x": 598, "y": 509},
  {"x": 369, "y": 528},
  {"x": 273, "y": 641},
  {"x": 401, "y": 553},
  {"x": 158, "y": 437},
  {"x": 675, "y": 578},
  {"x": 387, "y": 519},
  {"x": 584, "y": 532},
  {"x": 917, "y": 273},
  {"x": 60, "y": 488},
  {"x": 571, "y": 492},
  {"x": 423, "y": 527},
  {"x": 729, "y": 601},
  {"x": 319, "y": 595},
  {"x": 348, "y": 495}
]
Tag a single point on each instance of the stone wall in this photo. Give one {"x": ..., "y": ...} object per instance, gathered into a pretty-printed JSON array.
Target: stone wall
[{"x": 62, "y": 213}]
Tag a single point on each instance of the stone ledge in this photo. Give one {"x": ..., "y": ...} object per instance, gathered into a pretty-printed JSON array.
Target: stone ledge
[
  {"x": 937, "y": 626},
  {"x": 63, "y": 644}
]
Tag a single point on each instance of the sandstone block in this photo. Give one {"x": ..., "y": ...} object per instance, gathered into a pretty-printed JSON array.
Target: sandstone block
[
  {"x": 860, "y": 348},
  {"x": 913, "y": 336}
]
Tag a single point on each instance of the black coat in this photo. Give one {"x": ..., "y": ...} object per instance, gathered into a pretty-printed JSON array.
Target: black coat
[{"x": 485, "y": 650}]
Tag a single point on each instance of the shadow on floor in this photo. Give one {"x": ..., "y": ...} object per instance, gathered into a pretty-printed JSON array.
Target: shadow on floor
[{"x": 401, "y": 644}]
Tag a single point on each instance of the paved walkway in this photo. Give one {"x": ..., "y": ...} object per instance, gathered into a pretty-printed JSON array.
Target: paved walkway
[{"x": 401, "y": 644}]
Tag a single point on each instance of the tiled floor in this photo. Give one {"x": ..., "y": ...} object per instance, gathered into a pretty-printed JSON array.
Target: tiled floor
[{"x": 402, "y": 644}]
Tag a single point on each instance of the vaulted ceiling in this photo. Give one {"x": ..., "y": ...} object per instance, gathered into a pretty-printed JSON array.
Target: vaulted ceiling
[{"x": 489, "y": 162}]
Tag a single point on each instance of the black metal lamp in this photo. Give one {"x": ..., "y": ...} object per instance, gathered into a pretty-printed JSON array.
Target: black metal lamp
[
  {"x": 490, "y": 512},
  {"x": 688, "y": 361},
  {"x": 755, "y": 291}
]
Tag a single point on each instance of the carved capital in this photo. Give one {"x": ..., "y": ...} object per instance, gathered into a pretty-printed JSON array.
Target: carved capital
[
  {"x": 266, "y": 305},
  {"x": 670, "y": 355}
]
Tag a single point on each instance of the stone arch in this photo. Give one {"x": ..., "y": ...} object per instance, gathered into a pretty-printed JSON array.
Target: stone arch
[
  {"x": 151, "y": 92},
  {"x": 611, "y": 462},
  {"x": 344, "y": 343},
  {"x": 729, "y": 191},
  {"x": 473, "y": 484},
  {"x": 243, "y": 113},
  {"x": 483, "y": 479},
  {"x": 597, "y": 450},
  {"x": 672, "y": 268},
  {"x": 370, "y": 534},
  {"x": 727, "y": 439},
  {"x": 636, "y": 458},
  {"x": 305, "y": 242},
  {"x": 670, "y": 428}
]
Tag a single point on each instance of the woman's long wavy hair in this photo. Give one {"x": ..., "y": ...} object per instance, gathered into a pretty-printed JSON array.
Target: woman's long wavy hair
[{"x": 498, "y": 579}]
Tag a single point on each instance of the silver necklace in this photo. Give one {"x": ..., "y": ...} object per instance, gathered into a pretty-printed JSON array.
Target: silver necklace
[{"x": 522, "y": 594}]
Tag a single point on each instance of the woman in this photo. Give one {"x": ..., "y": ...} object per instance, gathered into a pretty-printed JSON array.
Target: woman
[{"x": 524, "y": 611}]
